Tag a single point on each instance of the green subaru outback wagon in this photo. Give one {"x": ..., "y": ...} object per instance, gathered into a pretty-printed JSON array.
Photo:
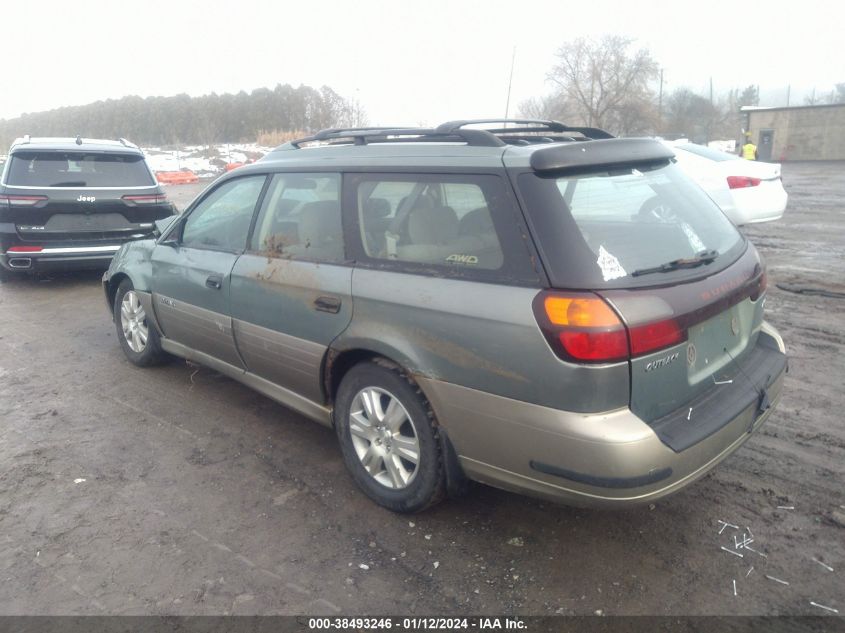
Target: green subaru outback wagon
[{"x": 541, "y": 308}]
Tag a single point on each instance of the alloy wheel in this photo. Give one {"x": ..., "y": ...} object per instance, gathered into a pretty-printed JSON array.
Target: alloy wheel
[
  {"x": 133, "y": 321},
  {"x": 384, "y": 437}
]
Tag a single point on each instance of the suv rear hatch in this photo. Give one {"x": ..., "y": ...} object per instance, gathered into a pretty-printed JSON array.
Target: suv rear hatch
[
  {"x": 685, "y": 290},
  {"x": 86, "y": 196}
]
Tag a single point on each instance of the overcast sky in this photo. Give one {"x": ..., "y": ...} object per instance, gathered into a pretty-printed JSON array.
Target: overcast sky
[{"x": 412, "y": 62}]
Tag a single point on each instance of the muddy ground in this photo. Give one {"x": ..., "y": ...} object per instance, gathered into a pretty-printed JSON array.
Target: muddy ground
[{"x": 178, "y": 491}]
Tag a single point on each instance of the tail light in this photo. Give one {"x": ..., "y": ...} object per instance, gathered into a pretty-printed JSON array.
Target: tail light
[
  {"x": 146, "y": 199},
  {"x": 24, "y": 249},
  {"x": 584, "y": 328},
  {"x": 22, "y": 201},
  {"x": 740, "y": 182}
]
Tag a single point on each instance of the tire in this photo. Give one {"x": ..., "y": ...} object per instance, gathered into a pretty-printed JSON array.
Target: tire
[
  {"x": 382, "y": 419},
  {"x": 138, "y": 338}
]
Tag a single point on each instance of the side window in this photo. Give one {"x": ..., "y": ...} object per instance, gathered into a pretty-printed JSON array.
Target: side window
[
  {"x": 440, "y": 220},
  {"x": 221, "y": 221},
  {"x": 300, "y": 218}
]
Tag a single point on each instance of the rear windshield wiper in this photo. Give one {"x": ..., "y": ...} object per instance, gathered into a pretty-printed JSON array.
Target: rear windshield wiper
[{"x": 704, "y": 257}]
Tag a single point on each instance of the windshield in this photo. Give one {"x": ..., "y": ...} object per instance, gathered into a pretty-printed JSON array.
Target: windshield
[
  {"x": 78, "y": 169},
  {"x": 597, "y": 229}
]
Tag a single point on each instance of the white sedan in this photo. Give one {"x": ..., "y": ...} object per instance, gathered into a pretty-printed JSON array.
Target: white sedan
[{"x": 747, "y": 191}]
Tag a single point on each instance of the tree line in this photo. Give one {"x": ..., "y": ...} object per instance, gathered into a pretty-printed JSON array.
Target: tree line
[
  {"x": 186, "y": 120},
  {"x": 607, "y": 83}
]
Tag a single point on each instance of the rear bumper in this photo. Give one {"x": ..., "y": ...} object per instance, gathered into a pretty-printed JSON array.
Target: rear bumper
[
  {"x": 613, "y": 459},
  {"x": 59, "y": 258},
  {"x": 764, "y": 203}
]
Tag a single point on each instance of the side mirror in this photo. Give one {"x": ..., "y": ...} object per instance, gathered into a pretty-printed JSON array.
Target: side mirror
[{"x": 163, "y": 225}]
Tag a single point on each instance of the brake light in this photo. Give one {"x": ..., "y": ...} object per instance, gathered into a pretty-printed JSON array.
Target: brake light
[
  {"x": 740, "y": 182},
  {"x": 24, "y": 249},
  {"x": 22, "y": 201},
  {"x": 654, "y": 336},
  {"x": 158, "y": 198},
  {"x": 584, "y": 328}
]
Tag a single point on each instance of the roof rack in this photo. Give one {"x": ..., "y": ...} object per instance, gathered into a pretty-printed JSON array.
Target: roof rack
[
  {"x": 363, "y": 135},
  {"x": 526, "y": 126},
  {"x": 126, "y": 143},
  {"x": 528, "y": 131}
]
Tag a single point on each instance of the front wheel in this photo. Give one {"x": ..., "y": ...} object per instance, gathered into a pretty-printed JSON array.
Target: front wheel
[
  {"x": 388, "y": 436},
  {"x": 138, "y": 337}
]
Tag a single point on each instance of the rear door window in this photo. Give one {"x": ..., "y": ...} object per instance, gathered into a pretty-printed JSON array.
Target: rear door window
[
  {"x": 463, "y": 225},
  {"x": 78, "y": 169},
  {"x": 300, "y": 218},
  {"x": 429, "y": 222}
]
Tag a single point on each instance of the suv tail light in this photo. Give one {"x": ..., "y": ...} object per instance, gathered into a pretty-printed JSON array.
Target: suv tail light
[
  {"x": 740, "y": 182},
  {"x": 24, "y": 249},
  {"x": 22, "y": 201},
  {"x": 141, "y": 200},
  {"x": 584, "y": 328}
]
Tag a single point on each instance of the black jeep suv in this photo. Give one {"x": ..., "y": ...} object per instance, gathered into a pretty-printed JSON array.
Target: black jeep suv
[{"x": 70, "y": 203}]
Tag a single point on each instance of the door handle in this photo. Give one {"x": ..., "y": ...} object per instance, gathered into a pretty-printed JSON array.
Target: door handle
[
  {"x": 214, "y": 281},
  {"x": 327, "y": 304}
]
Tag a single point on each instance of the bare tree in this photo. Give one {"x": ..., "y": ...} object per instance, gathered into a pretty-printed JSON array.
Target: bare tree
[
  {"x": 691, "y": 115},
  {"x": 554, "y": 106},
  {"x": 605, "y": 81},
  {"x": 837, "y": 95}
]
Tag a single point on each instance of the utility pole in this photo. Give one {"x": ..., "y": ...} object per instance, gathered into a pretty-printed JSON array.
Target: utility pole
[
  {"x": 710, "y": 118},
  {"x": 510, "y": 82},
  {"x": 788, "y": 90},
  {"x": 660, "y": 104}
]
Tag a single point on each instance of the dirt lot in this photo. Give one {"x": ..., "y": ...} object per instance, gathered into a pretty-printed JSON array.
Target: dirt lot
[{"x": 177, "y": 491}]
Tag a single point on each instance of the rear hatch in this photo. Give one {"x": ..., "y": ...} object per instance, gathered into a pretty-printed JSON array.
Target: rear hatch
[
  {"x": 684, "y": 286},
  {"x": 80, "y": 197}
]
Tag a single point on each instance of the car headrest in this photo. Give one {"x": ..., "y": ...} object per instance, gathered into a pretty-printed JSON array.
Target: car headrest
[
  {"x": 434, "y": 225},
  {"x": 319, "y": 222}
]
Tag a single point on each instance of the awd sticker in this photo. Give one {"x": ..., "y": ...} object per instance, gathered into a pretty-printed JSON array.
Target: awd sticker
[{"x": 462, "y": 259}]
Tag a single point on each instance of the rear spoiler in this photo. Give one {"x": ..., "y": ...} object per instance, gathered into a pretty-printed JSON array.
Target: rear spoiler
[{"x": 601, "y": 153}]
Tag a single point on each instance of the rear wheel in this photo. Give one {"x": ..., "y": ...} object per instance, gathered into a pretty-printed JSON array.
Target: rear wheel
[
  {"x": 138, "y": 337},
  {"x": 388, "y": 437}
]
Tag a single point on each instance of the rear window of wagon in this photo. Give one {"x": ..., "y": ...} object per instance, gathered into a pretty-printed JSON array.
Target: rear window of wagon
[{"x": 595, "y": 228}]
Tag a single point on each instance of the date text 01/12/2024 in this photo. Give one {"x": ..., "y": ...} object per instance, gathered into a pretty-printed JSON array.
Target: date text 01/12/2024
[{"x": 418, "y": 624}]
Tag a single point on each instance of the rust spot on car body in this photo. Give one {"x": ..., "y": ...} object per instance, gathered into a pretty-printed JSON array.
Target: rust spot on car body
[{"x": 460, "y": 355}]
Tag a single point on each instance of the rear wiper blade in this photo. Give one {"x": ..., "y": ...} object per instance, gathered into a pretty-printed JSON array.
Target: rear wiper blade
[{"x": 704, "y": 257}]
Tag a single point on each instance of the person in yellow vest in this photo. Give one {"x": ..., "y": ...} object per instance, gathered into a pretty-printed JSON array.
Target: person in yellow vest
[{"x": 749, "y": 150}]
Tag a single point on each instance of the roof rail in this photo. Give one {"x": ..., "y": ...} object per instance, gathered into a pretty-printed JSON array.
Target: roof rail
[
  {"x": 126, "y": 143},
  {"x": 364, "y": 135},
  {"x": 525, "y": 126},
  {"x": 527, "y": 132}
]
